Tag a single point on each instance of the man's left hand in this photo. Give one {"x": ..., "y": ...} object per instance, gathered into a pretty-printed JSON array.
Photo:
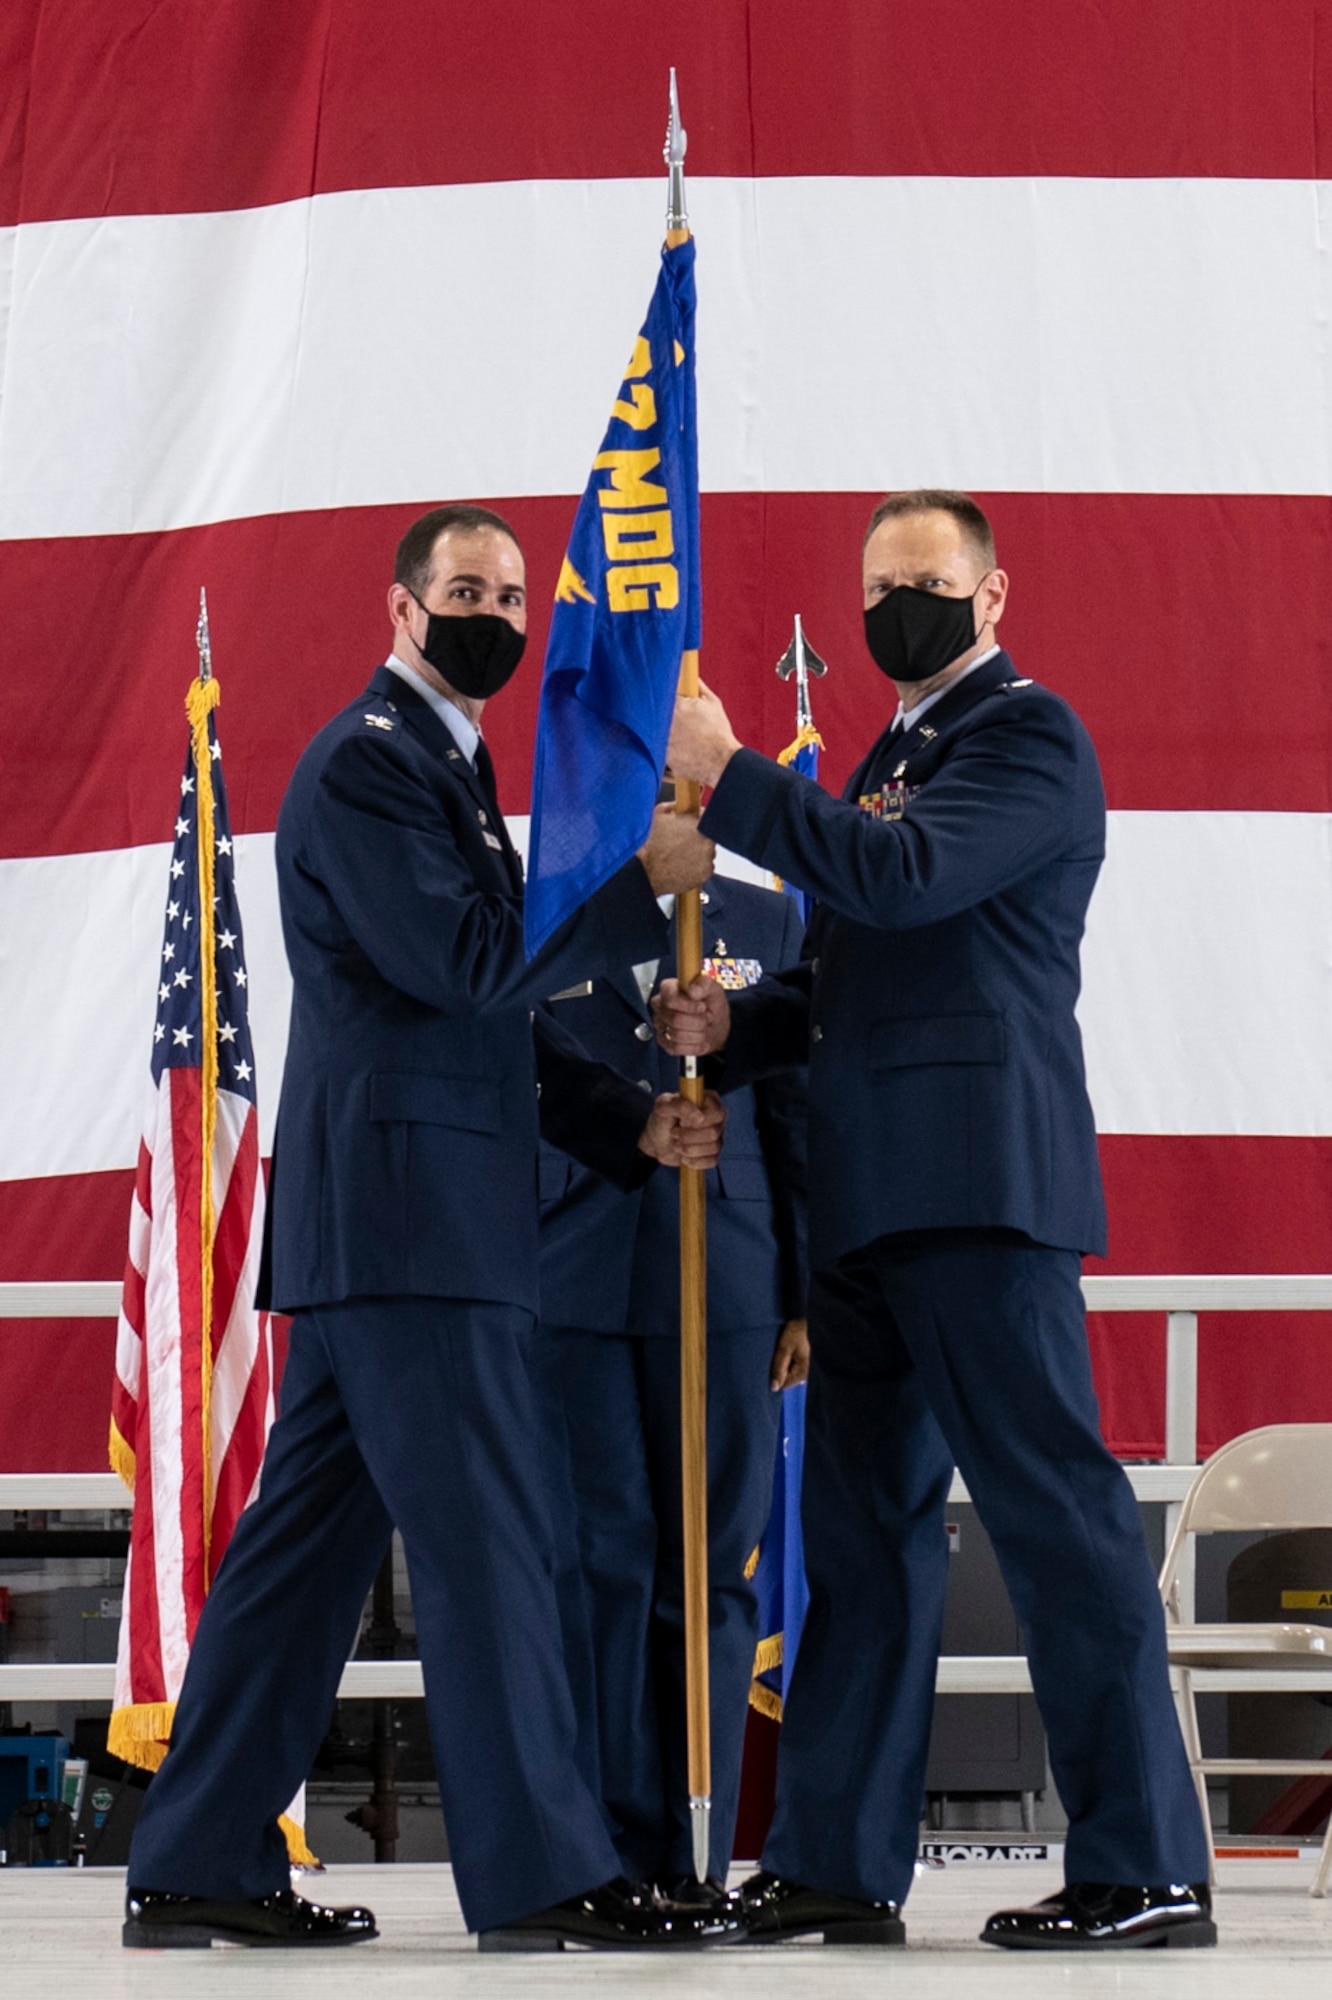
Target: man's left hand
[
  {"x": 681, "y": 1134},
  {"x": 702, "y": 740},
  {"x": 790, "y": 1357}
]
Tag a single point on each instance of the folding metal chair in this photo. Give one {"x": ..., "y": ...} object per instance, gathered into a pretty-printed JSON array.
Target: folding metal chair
[{"x": 1278, "y": 1477}]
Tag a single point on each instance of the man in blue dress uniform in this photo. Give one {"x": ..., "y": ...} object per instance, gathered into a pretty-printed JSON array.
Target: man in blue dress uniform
[
  {"x": 954, "y": 1184},
  {"x": 610, "y": 1355},
  {"x": 403, "y": 1239}
]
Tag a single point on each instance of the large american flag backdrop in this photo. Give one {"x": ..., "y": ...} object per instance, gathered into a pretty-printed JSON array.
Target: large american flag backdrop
[{"x": 273, "y": 279}]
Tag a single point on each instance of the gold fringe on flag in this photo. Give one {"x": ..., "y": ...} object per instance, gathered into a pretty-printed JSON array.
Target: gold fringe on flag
[
  {"x": 765, "y": 1701},
  {"x": 121, "y": 1455},
  {"x": 806, "y": 735}
]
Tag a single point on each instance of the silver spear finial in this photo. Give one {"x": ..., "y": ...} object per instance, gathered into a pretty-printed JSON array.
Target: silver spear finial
[
  {"x": 801, "y": 660},
  {"x": 677, "y": 216},
  {"x": 202, "y": 640}
]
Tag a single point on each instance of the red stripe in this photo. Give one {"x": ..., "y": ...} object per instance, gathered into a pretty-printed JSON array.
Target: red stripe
[
  {"x": 186, "y": 105},
  {"x": 236, "y": 1476},
  {"x": 147, "y": 1679},
  {"x": 232, "y": 1236},
  {"x": 1216, "y": 1205},
  {"x": 1176, "y": 1205},
  {"x": 1149, "y": 613}
]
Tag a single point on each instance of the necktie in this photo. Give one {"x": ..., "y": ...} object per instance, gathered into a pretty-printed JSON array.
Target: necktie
[{"x": 485, "y": 771}]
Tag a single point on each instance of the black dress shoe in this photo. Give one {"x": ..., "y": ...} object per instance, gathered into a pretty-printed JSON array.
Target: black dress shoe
[
  {"x": 686, "y": 1892},
  {"x": 619, "y": 1916},
  {"x": 774, "y": 1910},
  {"x": 1108, "y": 1916},
  {"x": 158, "y": 1920}
]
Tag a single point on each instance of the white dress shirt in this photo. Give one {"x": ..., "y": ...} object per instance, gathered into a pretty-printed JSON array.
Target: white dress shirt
[
  {"x": 908, "y": 718},
  {"x": 464, "y": 733}
]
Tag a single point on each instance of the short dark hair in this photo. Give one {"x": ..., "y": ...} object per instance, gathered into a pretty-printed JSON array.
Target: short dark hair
[
  {"x": 939, "y": 500},
  {"x": 416, "y": 551}
]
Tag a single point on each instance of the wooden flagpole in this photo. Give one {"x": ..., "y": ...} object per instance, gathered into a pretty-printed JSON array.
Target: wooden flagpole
[{"x": 693, "y": 1252}]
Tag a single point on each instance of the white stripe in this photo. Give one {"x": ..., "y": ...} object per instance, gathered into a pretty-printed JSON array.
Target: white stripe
[
  {"x": 997, "y": 334},
  {"x": 1207, "y": 975},
  {"x": 1207, "y": 1002},
  {"x": 234, "y": 1362},
  {"x": 80, "y": 956},
  {"x": 162, "y": 1374}
]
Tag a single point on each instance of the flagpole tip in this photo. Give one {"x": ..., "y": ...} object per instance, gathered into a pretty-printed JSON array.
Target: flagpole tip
[
  {"x": 700, "y": 1828},
  {"x": 202, "y": 639},
  {"x": 677, "y": 216}
]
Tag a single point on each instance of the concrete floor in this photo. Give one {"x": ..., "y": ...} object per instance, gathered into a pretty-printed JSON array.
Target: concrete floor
[{"x": 59, "y": 1933}]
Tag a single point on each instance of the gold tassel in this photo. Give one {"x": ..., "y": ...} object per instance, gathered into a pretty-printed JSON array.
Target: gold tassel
[
  {"x": 298, "y": 1851},
  {"x": 121, "y": 1456},
  {"x": 765, "y": 1701}
]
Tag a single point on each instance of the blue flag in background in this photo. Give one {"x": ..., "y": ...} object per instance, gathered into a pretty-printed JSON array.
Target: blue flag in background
[
  {"x": 626, "y": 608},
  {"x": 779, "y": 1575},
  {"x": 803, "y": 756},
  {"x": 779, "y": 1578}
]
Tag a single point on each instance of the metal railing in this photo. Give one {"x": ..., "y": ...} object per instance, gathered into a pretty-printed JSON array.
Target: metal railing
[{"x": 1180, "y": 1298}]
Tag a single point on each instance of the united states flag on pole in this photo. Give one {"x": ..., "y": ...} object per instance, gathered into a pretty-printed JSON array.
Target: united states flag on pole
[{"x": 193, "y": 1395}]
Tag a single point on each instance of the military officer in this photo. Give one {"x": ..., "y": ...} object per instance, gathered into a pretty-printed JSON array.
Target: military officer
[
  {"x": 404, "y": 1242},
  {"x": 954, "y": 1184},
  {"x": 610, "y": 1355}
]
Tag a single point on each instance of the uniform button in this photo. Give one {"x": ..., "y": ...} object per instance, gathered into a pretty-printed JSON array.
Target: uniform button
[
  {"x": 643, "y": 1083},
  {"x": 481, "y": 815},
  {"x": 814, "y": 967},
  {"x": 816, "y": 1034},
  {"x": 643, "y": 1031},
  {"x": 538, "y": 1090}
]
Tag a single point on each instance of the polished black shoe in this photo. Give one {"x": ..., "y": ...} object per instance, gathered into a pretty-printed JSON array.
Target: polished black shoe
[
  {"x": 157, "y": 1920},
  {"x": 774, "y": 1910},
  {"x": 686, "y": 1892},
  {"x": 619, "y": 1916},
  {"x": 1108, "y": 1916}
]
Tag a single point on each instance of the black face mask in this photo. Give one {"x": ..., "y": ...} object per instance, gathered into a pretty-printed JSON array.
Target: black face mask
[
  {"x": 476, "y": 655},
  {"x": 914, "y": 634}
]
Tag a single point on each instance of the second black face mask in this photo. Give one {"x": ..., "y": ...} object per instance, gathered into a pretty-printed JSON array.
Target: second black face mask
[
  {"x": 914, "y": 634},
  {"x": 475, "y": 655}
]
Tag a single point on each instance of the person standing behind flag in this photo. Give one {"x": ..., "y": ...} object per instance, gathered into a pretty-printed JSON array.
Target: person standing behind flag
[
  {"x": 609, "y": 1362},
  {"x": 403, "y": 1241},
  {"x": 954, "y": 1184}
]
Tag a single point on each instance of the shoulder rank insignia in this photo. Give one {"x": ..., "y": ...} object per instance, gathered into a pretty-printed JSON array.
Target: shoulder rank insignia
[
  {"x": 1007, "y": 686},
  {"x": 732, "y": 973},
  {"x": 380, "y": 722}
]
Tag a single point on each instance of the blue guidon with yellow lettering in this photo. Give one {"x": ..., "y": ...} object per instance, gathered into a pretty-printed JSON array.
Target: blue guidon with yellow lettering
[{"x": 626, "y": 607}]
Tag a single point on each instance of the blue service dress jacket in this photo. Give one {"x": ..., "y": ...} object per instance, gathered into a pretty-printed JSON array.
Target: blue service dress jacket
[
  {"x": 405, "y": 1156},
  {"x": 935, "y": 1003},
  {"x": 610, "y": 1260}
]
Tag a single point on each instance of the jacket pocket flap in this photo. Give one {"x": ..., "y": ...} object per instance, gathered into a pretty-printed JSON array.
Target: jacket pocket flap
[
  {"x": 467, "y": 1102},
  {"x": 743, "y": 1179},
  {"x": 916, "y": 1040}
]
